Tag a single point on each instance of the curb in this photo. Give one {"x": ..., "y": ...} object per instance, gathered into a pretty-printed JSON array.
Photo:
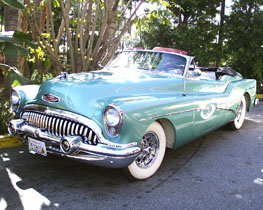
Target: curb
[
  {"x": 259, "y": 96},
  {"x": 9, "y": 141}
]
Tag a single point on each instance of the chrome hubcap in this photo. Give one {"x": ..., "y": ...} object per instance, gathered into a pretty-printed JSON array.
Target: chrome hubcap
[{"x": 150, "y": 147}]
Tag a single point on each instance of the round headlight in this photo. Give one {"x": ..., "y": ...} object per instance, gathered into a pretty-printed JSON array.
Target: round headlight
[
  {"x": 15, "y": 100},
  {"x": 112, "y": 117}
]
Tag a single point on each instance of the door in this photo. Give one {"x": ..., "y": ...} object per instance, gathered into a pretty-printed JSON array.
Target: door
[{"x": 207, "y": 95}]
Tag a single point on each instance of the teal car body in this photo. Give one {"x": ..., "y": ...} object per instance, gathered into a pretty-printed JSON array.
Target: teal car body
[{"x": 187, "y": 101}]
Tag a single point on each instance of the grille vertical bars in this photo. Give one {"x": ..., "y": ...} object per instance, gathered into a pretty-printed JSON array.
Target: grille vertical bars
[{"x": 60, "y": 127}]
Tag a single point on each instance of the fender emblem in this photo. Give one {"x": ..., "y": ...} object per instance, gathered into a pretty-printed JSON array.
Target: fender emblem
[
  {"x": 208, "y": 111},
  {"x": 50, "y": 98}
]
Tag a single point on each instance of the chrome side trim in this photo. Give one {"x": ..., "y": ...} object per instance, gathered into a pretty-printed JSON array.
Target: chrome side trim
[
  {"x": 229, "y": 110},
  {"x": 166, "y": 115},
  {"x": 219, "y": 107},
  {"x": 250, "y": 88}
]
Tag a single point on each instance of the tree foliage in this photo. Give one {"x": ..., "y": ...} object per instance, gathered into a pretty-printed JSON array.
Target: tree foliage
[
  {"x": 155, "y": 29},
  {"x": 244, "y": 44},
  {"x": 234, "y": 40},
  {"x": 15, "y": 43},
  {"x": 11, "y": 44},
  {"x": 14, "y": 3},
  {"x": 190, "y": 27},
  {"x": 89, "y": 31}
]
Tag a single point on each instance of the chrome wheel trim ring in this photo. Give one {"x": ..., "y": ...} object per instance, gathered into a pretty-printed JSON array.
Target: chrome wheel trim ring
[
  {"x": 150, "y": 146},
  {"x": 240, "y": 113}
]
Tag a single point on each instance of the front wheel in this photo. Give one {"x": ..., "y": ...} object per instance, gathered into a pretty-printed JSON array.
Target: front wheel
[
  {"x": 153, "y": 147},
  {"x": 240, "y": 115}
]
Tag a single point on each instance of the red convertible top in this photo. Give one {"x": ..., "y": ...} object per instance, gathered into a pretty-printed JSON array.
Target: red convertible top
[{"x": 165, "y": 49}]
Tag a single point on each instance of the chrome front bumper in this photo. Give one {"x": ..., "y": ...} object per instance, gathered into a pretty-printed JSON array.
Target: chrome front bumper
[{"x": 105, "y": 153}]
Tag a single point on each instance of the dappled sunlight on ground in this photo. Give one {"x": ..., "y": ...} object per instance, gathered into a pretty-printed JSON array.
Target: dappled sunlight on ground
[
  {"x": 255, "y": 120},
  {"x": 3, "y": 204},
  {"x": 26, "y": 195},
  {"x": 259, "y": 181},
  {"x": 29, "y": 198}
]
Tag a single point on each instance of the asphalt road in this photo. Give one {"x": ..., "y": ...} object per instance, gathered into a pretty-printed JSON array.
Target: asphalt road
[{"x": 223, "y": 170}]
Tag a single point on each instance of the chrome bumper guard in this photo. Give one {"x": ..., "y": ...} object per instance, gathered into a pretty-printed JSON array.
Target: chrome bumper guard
[{"x": 105, "y": 153}]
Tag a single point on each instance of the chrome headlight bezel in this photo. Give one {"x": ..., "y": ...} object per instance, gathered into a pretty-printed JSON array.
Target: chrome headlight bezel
[
  {"x": 15, "y": 100},
  {"x": 112, "y": 119}
]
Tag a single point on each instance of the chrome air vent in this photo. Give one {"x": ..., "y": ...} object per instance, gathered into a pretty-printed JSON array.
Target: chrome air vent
[{"x": 60, "y": 126}]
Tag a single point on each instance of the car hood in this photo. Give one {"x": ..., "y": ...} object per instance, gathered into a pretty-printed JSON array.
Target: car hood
[{"x": 84, "y": 93}]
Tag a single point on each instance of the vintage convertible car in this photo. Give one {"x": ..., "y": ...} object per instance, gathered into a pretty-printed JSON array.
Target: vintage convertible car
[{"x": 126, "y": 114}]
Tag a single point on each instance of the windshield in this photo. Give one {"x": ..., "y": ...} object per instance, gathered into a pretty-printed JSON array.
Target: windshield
[{"x": 155, "y": 61}]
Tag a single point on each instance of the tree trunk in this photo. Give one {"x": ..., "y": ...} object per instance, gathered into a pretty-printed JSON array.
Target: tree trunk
[
  {"x": 12, "y": 22},
  {"x": 220, "y": 34}
]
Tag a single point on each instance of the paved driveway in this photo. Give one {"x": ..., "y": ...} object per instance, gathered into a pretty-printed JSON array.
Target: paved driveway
[{"x": 223, "y": 170}]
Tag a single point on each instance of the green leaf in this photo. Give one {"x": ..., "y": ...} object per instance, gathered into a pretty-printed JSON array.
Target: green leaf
[
  {"x": 21, "y": 37},
  {"x": 23, "y": 51},
  {"x": 10, "y": 49},
  {"x": 9, "y": 43},
  {"x": 32, "y": 45},
  {"x": 18, "y": 35},
  {"x": 14, "y": 3},
  {"x": 56, "y": 3},
  {"x": 14, "y": 77},
  {"x": 13, "y": 49}
]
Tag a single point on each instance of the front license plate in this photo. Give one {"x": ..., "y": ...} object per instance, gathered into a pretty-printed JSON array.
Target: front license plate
[{"x": 36, "y": 146}]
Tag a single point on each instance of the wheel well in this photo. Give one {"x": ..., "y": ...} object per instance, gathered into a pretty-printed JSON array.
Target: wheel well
[
  {"x": 248, "y": 101},
  {"x": 169, "y": 132}
]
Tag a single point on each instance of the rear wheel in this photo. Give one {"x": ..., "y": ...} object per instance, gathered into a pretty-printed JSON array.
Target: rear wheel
[
  {"x": 153, "y": 146},
  {"x": 240, "y": 115}
]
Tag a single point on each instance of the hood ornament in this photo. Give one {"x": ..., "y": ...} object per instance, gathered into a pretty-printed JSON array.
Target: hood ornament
[
  {"x": 50, "y": 98},
  {"x": 63, "y": 74}
]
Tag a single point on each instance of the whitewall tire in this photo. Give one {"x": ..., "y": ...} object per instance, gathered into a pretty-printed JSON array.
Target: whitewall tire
[
  {"x": 240, "y": 116},
  {"x": 149, "y": 160}
]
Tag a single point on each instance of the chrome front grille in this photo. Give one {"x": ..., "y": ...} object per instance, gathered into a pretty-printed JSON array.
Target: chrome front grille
[{"x": 60, "y": 126}]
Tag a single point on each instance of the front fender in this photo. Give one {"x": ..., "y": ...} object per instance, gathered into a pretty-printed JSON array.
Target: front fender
[
  {"x": 27, "y": 93},
  {"x": 141, "y": 112}
]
